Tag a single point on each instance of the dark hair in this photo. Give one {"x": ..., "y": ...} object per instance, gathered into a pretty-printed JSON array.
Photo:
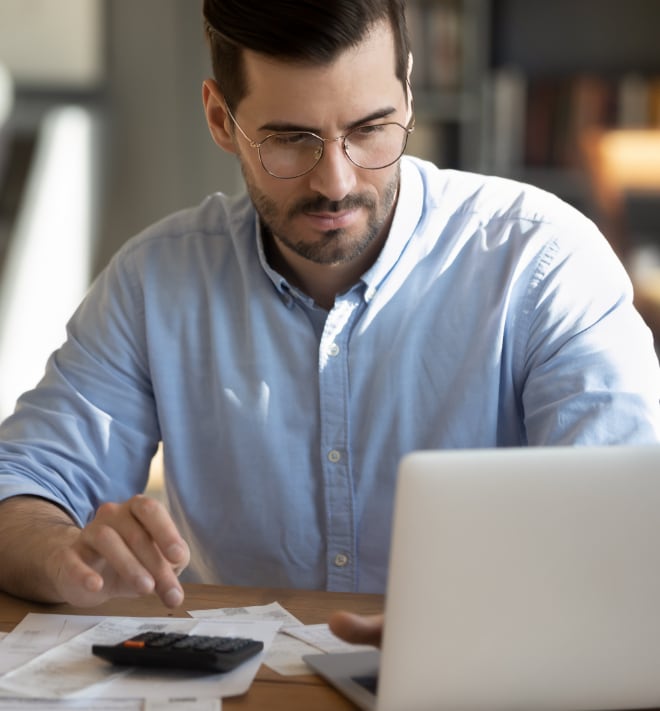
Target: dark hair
[{"x": 314, "y": 31}]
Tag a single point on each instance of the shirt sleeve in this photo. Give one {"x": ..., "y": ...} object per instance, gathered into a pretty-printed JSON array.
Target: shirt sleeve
[
  {"x": 591, "y": 374},
  {"x": 86, "y": 434}
]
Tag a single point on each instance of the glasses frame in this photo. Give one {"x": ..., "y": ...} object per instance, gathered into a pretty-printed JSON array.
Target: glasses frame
[{"x": 257, "y": 144}]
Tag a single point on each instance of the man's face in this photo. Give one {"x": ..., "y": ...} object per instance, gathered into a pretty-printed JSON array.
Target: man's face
[{"x": 332, "y": 214}]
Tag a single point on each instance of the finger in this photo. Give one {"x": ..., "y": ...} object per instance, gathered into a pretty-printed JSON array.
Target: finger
[
  {"x": 123, "y": 551},
  {"x": 75, "y": 581},
  {"x": 357, "y": 629},
  {"x": 156, "y": 520},
  {"x": 130, "y": 562},
  {"x": 125, "y": 537}
]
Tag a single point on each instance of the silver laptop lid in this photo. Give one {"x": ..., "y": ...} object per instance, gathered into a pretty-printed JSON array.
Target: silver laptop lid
[{"x": 524, "y": 579}]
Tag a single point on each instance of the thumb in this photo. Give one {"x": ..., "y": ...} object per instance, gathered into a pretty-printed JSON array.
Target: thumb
[{"x": 357, "y": 629}]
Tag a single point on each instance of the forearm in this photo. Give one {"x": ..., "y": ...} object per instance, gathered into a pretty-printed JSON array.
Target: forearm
[{"x": 31, "y": 531}]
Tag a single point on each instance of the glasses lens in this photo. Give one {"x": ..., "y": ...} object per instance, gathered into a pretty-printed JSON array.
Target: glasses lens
[
  {"x": 288, "y": 155},
  {"x": 376, "y": 146},
  {"x": 291, "y": 154}
]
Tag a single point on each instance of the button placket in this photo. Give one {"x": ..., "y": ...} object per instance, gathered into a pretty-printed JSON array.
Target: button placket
[{"x": 335, "y": 443}]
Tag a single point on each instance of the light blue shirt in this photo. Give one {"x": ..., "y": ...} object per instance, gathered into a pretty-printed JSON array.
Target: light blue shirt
[{"x": 496, "y": 315}]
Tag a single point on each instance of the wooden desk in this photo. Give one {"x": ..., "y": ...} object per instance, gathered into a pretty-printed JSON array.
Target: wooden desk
[{"x": 270, "y": 690}]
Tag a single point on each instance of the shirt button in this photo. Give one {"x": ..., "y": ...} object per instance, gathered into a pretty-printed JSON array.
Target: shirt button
[
  {"x": 333, "y": 350},
  {"x": 341, "y": 560},
  {"x": 334, "y": 456}
]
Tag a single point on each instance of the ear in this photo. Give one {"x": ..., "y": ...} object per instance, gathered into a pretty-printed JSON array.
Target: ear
[{"x": 217, "y": 118}]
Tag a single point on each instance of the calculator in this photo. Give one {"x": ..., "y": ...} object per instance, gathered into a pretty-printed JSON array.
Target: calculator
[{"x": 174, "y": 650}]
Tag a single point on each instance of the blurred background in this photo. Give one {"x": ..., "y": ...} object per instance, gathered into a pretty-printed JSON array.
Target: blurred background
[{"x": 102, "y": 132}]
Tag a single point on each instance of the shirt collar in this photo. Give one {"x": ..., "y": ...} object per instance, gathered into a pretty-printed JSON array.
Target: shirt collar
[
  {"x": 287, "y": 291},
  {"x": 407, "y": 214}
]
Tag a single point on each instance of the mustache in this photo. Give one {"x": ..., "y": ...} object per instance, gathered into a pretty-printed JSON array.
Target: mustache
[{"x": 322, "y": 204}]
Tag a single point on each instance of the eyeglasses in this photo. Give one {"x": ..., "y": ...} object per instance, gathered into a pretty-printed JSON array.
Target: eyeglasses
[{"x": 290, "y": 154}]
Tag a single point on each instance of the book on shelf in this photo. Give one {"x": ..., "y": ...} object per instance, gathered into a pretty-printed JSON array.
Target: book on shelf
[
  {"x": 444, "y": 44},
  {"x": 654, "y": 102},
  {"x": 538, "y": 121},
  {"x": 435, "y": 28},
  {"x": 590, "y": 101},
  {"x": 506, "y": 92},
  {"x": 633, "y": 101}
]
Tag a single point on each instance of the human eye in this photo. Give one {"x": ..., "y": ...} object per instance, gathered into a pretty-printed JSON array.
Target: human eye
[
  {"x": 292, "y": 139},
  {"x": 370, "y": 129},
  {"x": 367, "y": 134}
]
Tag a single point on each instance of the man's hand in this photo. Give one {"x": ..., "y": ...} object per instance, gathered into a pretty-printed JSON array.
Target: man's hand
[
  {"x": 357, "y": 629},
  {"x": 127, "y": 550}
]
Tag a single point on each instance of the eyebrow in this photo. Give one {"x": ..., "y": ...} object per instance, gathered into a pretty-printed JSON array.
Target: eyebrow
[{"x": 282, "y": 126}]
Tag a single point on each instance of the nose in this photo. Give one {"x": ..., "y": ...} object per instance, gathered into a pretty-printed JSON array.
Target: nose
[{"x": 334, "y": 175}]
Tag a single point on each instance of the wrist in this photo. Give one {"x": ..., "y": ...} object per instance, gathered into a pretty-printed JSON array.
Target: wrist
[{"x": 34, "y": 535}]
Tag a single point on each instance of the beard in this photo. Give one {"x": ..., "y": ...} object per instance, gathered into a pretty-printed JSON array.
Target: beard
[{"x": 333, "y": 247}]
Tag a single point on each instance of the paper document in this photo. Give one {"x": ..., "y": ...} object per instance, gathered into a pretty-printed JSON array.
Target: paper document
[
  {"x": 286, "y": 653},
  {"x": 320, "y": 637},
  {"x": 182, "y": 705},
  {"x": 70, "y": 669},
  {"x": 110, "y": 705},
  {"x": 37, "y": 633},
  {"x": 294, "y": 640},
  {"x": 73, "y": 705},
  {"x": 273, "y": 611}
]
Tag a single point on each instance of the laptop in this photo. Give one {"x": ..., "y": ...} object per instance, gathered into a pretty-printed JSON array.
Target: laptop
[{"x": 519, "y": 579}]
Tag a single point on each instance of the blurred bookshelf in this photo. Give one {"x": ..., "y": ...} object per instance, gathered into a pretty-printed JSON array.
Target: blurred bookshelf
[
  {"x": 560, "y": 68},
  {"x": 451, "y": 50},
  {"x": 507, "y": 86}
]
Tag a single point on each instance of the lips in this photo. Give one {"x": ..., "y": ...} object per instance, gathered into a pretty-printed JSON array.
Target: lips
[{"x": 326, "y": 221}]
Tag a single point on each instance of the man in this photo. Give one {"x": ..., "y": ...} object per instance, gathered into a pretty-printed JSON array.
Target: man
[{"x": 289, "y": 345}]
